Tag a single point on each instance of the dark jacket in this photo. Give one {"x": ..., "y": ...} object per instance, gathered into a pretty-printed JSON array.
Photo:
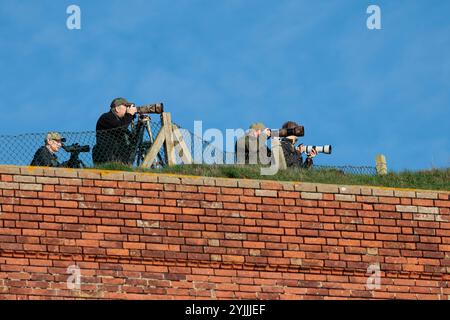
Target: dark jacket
[
  {"x": 44, "y": 158},
  {"x": 293, "y": 157},
  {"x": 114, "y": 140},
  {"x": 243, "y": 150}
]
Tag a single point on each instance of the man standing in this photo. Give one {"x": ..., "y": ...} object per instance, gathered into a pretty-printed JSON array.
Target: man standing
[
  {"x": 113, "y": 137},
  {"x": 45, "y": 156}
]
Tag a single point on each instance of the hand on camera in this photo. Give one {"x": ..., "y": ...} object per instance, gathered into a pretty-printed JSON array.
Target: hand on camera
[
  {"x": 302, "y": 149},
  {"x": 144, "y": 119}
]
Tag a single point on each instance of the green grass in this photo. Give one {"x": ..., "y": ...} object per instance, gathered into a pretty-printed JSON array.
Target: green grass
[{"x": 435, "y": 179}]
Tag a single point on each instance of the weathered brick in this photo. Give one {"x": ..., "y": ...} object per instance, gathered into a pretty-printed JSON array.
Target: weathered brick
[
  {"x": 9, "y": 169},
  {"x": 306, "y": 187},
  {"x": 427, "y": 195},
  {"x": 9, "y": 185},
  {"x": 345, "y": 197},
  {"x": 350, "y": 190},
  {"x": 266, "y": 193},
  {"x": 327, "y": 188},
  {"x": 221, "y": 182},
  {"x": 401, "y": 208},
  {"x": 25, "y": 179},
  {"x": 30, "y": 186},
  {"x": 383, "y": 192},
  {"x": 311, "y": 196},
  {"x": 251, "y": 184}
]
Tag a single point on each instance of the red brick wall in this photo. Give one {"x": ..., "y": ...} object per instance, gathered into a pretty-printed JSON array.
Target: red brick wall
[{"x": 145, "y": 236}]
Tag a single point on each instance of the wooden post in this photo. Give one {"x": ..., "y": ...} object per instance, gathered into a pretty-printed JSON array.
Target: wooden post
[
  {"x": 169, "y": 147},
  {"x": 381, "y": 164},
  {"x": 184, "y": 153},
  {"x": 166, "y": 136}
]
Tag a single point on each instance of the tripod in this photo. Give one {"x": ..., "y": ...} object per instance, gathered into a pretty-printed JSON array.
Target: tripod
[{"x": 141, "y": 146}]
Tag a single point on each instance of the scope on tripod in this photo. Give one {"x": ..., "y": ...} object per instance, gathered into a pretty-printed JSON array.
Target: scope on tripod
[
  {"x": 296, "y": 131},
  {"x": 76, "y": 148},
  {"x": 319, "y": 149}
]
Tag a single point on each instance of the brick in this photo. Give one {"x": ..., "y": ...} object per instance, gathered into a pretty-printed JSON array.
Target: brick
[
  {"x": 66, "y": 204},
  {"x": 401, "y": 208},
  {"x": 305, "y": 187},
  {"x": 9, "y": 169},
  {"x": 128, "y": 185},
  {"x": 382, "y": 192},
  {"x": 25, "y": 179},
  {"x": 266, "y": 193},
  {"x": 130, "y": 200},
  {"x": 389, "y": 200},
  {"x": 424, "y": 217},
  {"x": 245, "y": 199},
  {"x": 220, "y": 182},
  {"x": 251, "y": 184},
  {"x": 345, "y": 197},
  {"x": 327, "y": 188},
  {"x": 9, "y": 185},
  {"x": 404, "y": 194},
  {"x": 427, "y": 195},
  {"x": 70, "y": 181},
  {"x": 429, "y": 210},
  {"x": 350, "y": 190},
  {"x": 311, "y": 196}
]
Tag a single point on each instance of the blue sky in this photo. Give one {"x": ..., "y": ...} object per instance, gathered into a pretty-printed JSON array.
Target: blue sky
[{"x": 233, "y": 62}]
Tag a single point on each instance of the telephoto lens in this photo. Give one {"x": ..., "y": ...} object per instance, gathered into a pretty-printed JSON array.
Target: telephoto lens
[
  {"x": 151, "y": 108},
  {"x": 319, "y": 149}
]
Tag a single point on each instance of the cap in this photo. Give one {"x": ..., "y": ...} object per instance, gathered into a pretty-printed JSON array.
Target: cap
[
  {"x": 118, "y": 102},
  {"x": 55, "y": 136},
  {"x": 257, "y": 126}
]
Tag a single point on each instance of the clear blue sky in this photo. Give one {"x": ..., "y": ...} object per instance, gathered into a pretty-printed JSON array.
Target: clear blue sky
[{"x": 233, "y": 62}]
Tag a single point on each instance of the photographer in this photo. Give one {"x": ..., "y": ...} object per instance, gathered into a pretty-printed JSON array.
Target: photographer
[
  {"x": 45, "y": 156},
  {"x": 251, "y": 148},
  {"x": 114, "y": 140},
  {"x": 292, "y": 154}
]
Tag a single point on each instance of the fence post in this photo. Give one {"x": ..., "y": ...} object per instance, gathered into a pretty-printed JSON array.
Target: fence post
[{"x": 381, "y": 164}]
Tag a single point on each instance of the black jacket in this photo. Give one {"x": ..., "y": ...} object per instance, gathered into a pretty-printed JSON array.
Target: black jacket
[
  {"x": 114, "y": 140},
  {"x": 293, "y": 157},
  {"x": 248, "y": 143},
  {"x": 44, "y": 158}
]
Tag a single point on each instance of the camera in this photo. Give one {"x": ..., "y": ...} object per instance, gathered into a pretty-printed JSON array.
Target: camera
[
  {"x": 76, "y": 148},
  {"x": 298, "y": 131},
  {"x": 149, "y": 108},
  {"x": 319, "y": 149}
]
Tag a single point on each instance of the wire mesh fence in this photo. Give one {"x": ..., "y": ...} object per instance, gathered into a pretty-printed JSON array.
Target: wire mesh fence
[{"x": 128, "y": 145}]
